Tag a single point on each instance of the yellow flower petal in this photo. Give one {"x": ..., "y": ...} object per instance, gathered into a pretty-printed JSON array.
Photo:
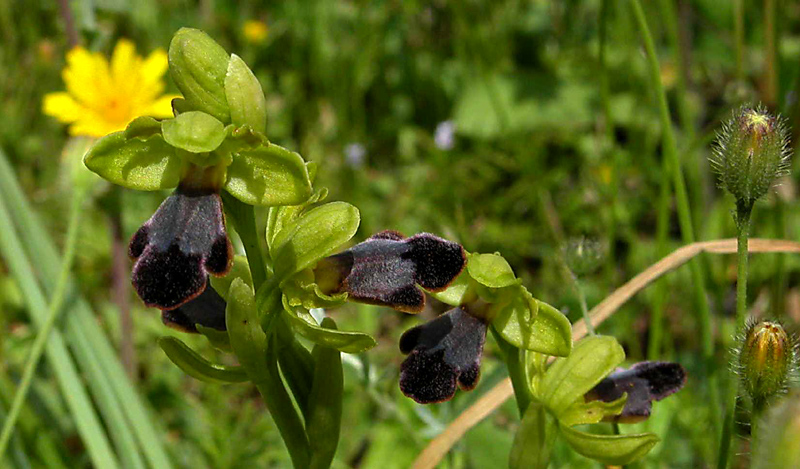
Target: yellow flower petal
[
  {"x": 124, "y": 61},
  {"x": 86, "y": 76},
  {"x": 63, "y": 107},
  {"x": 161, "y": 108}
]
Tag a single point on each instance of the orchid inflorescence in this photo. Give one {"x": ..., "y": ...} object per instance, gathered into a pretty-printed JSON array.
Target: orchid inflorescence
[{"x": 215, "y": 154}]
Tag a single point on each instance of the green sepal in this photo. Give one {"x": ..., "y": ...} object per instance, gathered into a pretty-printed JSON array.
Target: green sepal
[
  {"x": 312, "y": 236},
  {"x": 198, "y": 65},
  {"x": 460, "y": 291},
  {"x": 568, "y": 379},
  {"x": 194, "y": 131},
  {"x": 615, "y": 450},
  {"x": 198, "y": 367},
  {"x": 268, "y": 175},
  {"x": 248, "y": 339},
  {"x": 301, "y": 322},
  {"x": 534, "y": 439},
  {"x": 218, "y": 339},
  {"x": 526, "y": 322},
  {"x": 136, "y": 158},
  {"x": 301, "y": 290},
  {"x": 325, "y": 402},
  {"x": 245, "y": 96},
  {"x": 282, "y": 215},
  {"x": 491, "y": 270},
  {"x": 582, "y": 412}
]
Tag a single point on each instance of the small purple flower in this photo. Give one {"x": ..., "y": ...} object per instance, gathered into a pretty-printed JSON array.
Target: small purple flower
[
  {"x": 644, "y": 382},
  {"x": 444, "y": 136},
  {"x": 176, "y": 249},
  {"x": 443, "y": 354},
  {"x": 386, "y": 269},
  {"x": 355, "y": 153}
]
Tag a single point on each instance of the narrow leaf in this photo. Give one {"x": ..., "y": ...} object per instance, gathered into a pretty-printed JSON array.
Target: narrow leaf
[{"x": 198, "y": 367}]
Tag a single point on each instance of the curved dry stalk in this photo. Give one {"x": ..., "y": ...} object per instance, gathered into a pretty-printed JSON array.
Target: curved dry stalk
[{"x": 474, "y": 414}]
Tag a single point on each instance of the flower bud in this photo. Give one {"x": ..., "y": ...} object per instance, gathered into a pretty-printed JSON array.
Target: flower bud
[
  {"x": 198, "y": 65},
  {"x": 766, "y": 359},
  {"x": 751, "y": 152},
  {"x": 778, "y": 442},
  {"x": 583, "y": 256}
]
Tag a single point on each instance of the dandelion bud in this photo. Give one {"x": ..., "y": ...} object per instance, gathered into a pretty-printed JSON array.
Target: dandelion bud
[
  {"x": 751, "y": 152},
  {"x": 778, "y": 443},
  {"x": 766, "y": 358},
  {"x": 199, "y": 66}
]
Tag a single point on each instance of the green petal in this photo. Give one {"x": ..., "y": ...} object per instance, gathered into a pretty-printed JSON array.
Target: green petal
[
  {"x": 613, "y": 450},
  {"x": 314, "y": 235},
  {"x": 343, "y": 341},
  {"x": 245, "y": 96},
  {"x": 568, "y": 379},
  {"x": 198, "y": 367},
  {"x": 491, "y": 270},
  {"x": 458, "y": 293},
  {"x": 268, "y": 175},
  {"x": 194, "y": 131},
  {"x": 137, "y": 158}
]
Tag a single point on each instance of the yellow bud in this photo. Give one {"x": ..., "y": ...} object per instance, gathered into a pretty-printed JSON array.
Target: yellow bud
[{"x": 766, "y": 358}]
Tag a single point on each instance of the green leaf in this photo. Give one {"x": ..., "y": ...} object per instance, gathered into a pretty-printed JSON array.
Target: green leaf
[
  {"x": 568, "y": 379},
  {"x": 268, "y": 175},
  {"x": 325, "y": 402},
  {"x": 534, "y": 439},
  {"x": 304, "y": 324},
  {"x": 312, "y": 236},
  {"x": 613, "y": 450},
  {"x": 491, "y": 270},
  {"x": 248, "y": 340},
  {"x": 245, "y": 96},
  {"x": 137, "y": 158},
  {"x": 459, "y": 292},
  {"x": 591, "y": 412},
  {"x": 198, "y": 65},
  {"x": 194, "y": 131},
  {"x": 198, "y": 367},
  {"x": 548, "y": 332}
]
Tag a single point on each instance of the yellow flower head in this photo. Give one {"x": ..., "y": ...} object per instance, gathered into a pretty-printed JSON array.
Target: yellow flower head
[
  {"x": 255, "y": 31},
  {"x": 102, "y": 98}
]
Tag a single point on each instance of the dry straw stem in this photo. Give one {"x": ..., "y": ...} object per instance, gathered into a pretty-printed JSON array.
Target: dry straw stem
[{"x": 490, "y": 401}]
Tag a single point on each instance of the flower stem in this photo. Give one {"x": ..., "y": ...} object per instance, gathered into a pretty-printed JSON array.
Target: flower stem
[
  {"x": 244, "y": 220},
  {"x": 56, "y": 303},
  {"x": 743, "y": 211},
  {"x": 582, "y": 300},
  {"x": 517, "y": 371}
]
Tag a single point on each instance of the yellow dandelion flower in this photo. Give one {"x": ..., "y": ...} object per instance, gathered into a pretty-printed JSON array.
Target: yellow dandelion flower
[
  {"x": 104, "y": 97},
  {"x": 255, "y": 31}
]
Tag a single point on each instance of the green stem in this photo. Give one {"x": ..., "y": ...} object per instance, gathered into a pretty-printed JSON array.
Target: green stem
[
  {"x": 517, "y": 371},
  {"x": 244, "y": 220},
  {"x": 743, "y": 212},
  {"x": 582, "y": 300},
  {"x": 673, "y": 165},
  {"x": 55, "y": 307},
  {"x": 771, "y": 53}
]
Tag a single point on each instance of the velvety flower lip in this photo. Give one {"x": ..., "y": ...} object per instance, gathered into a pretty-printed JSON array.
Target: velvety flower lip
[
  {"x": 644, "y": 382},
  {"x": 207, "y": 310},
  {"x": 386, "y": 269},
  {"x": 443, "y": 354},
  {"x": 176, "y": 249}
]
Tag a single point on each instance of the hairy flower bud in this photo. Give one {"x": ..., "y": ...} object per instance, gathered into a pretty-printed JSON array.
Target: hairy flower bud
[
  {"x": 583, "y": 256},
  {"x": 752, "y": 151},
  {"x": 766, "y": 359}
]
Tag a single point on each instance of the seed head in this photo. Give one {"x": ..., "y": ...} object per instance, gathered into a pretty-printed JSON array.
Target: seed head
[
  {"x": 751, "y": 152},
  {"x": 767, "y": 360}
]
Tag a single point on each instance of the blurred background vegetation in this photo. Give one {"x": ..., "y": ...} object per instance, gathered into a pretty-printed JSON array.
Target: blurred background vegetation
[{"x": 497, "y": 124}]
